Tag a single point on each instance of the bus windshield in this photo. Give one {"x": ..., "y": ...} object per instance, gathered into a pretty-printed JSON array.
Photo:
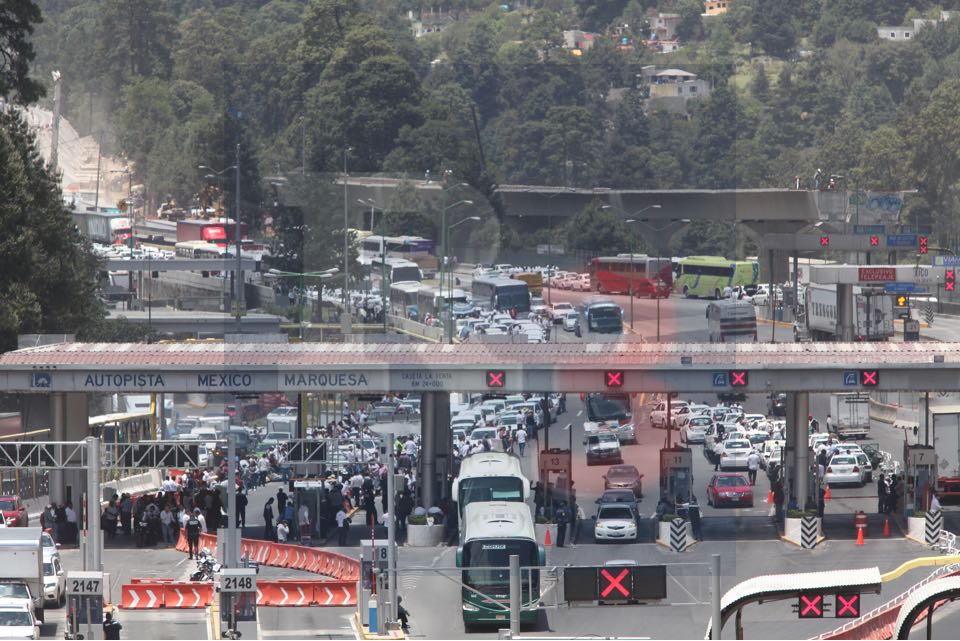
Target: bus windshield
[
  {"x": 490, "y": 488},
  {"x": 406, "y": 274},
  {"x": 608, "y": 407},
  {"x": 496, "y": 553},
  {"x": 513, "y": 298}
]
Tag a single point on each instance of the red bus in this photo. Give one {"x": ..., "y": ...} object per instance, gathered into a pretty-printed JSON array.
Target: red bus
[
  {"x": 623, "y": 272},
  {"x": 216, "y": 231}
]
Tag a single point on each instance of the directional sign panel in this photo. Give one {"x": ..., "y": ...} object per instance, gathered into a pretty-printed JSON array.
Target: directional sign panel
[
  {"x": 720, "y": 379},
  {"x": 901, "y": 240},
  {"x": 850, "y": 379},
  {"x": 869, "y": 377},
  {"x": 739, "y": 378},
  {"x": 615, "y": 584},
  {"x": 650, "y": 582},
  {"x": 496, "y": 378},
  {"x": 580, "y": 584},
  {"x": 613, "y": 378}
]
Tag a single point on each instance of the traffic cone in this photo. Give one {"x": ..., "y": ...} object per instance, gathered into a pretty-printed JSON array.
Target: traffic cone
[
  {"x": 826, "y": 495},
  {"x": 859, "y": 536},
  {"x": 886, "y": 527},
  {"x": 769, "y": 497},
  {"x": 547, "y": 540}
]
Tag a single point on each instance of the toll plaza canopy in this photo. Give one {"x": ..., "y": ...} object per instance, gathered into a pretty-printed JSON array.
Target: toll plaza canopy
[{"x": 624, "y": 366}]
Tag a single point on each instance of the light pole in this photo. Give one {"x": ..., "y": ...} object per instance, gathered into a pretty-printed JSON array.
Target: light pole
[
  {"x": 238, "y": 276},
  {"x": 448, "y": 323},
  {"x": 656, "y": 293},
  {"x": 346, "y": 324},
  {"x": 373, "y": 207},
  {"x": 443, "y": 241},
  {"x": 323, "y": 275}
]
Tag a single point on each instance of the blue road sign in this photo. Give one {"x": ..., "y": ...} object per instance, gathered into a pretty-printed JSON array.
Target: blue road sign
[
  {"x": 877, "y": 230},
  {"x": 946, "y": 261},
  {"x": 904, "y": 288},
  {"x": 720, "y": 379},
  {"x": 901, "y": 240},
  {"x": 850, "y": 379}
]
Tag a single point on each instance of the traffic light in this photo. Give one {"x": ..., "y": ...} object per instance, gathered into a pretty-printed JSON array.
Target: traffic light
[
  {"x": 902, "y": 301},
  {"x": 615, "y": 584},
  {"x": 825, "y": 242},
  {"x": 496, "y": 378},
  {"x": 923, "y": 244},
  {"x": 869, "y": 377},
  {"x": 613, "y": 378},
  {"x": 739, "y": 378},
  {"x": 950, "y": 282},
  {"x": 810, "y": 605},
  {"x": 847, "y": 605}
]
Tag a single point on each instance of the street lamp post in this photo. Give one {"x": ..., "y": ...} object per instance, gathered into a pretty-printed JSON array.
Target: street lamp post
[
  {"x": 443, "y": 241},
  {"x": 238, "y": 276},
  {"x": 322, "y": 275},
  {"x": 656, "y": 293},
  {"x": 346, "y": 324},
  {"x": 448, "y": 323}
]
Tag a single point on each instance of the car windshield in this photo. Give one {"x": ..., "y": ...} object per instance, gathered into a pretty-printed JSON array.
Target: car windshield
[
  {"x": 15, "y": 590},
  {"x": 731, "y": 481},
  {"x": 622, "y": 471},
  {"x": 604, "y": 438},
  {"x": 47, "y": 541},
  {"x": 8, "y": 505},
  {"x": 15, "y": 618},
  {"x": 700, "y": 422},
  {"x": 615, "y": 512},
  {"x": 607, "y": 407},
  {"x": 736, "y": 445},
  {"x": 48, "y": 569}
]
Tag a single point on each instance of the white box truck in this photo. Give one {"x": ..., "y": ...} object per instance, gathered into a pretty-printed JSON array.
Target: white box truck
[
  {"x": 850, "y": 412},
  {"x": 21, "y": 564},
  {"x": 819, "y": 315},
  {"x": 945, "y": 423}
]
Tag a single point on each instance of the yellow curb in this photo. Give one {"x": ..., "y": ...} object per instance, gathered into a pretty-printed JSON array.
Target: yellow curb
[
  {"x": 362, "y": 632},
  {"x": 767, "y": 321},
  {"x": 820, "y": 540}
]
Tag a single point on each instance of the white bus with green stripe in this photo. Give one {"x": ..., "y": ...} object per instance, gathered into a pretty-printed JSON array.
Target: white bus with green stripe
[{"x": 709, "y": 276}]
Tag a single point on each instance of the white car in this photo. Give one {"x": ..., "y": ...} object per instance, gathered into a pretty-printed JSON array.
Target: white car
[
  {"x": 762, "y": 297},
  {"x": 582, "y": 283},
  {"x": 757, "y": 438},
  {"x": 555, "y": 311},
  {"x": 844, "y": 469},
  {"x": 50, "y": 548},
  {"x": 734, "y": 453},
  {"x": 772, "y": 451},
  {"x": 695, "y": 431},
  {"x": 481, "y": 434},
  {"x": 615, "y": 522},
  {"x": 679, "y": 410},
  {"x": 17, "y": 620},
  {"x": 54, "y": 580},
  {"x": 570, "y": 320}
]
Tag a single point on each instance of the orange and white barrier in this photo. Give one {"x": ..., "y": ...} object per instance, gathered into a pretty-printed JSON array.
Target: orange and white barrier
[{"x": 141, "y": 596}]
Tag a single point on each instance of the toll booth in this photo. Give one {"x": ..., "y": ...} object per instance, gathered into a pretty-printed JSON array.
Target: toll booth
[
  {"x": 237, "y": 588},
  {"x": 920, "y": 476},
  {"x": 374, "y": 555},
  {"x": 308, "y": 492},
  {"x": 676, "y": 473},
  {"x": 556, "y": 473},
  {"x": 85, "y": 604}
]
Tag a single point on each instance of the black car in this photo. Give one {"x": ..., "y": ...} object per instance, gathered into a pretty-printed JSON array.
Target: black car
[
  {"x": 873, "y": 452},
  {"x": 777, "y": 405}
]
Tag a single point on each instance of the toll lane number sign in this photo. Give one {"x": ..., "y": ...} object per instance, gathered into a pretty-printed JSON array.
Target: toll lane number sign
[
  {"x": 239, "y": 584},
  {"x": 85, "y": 587}
]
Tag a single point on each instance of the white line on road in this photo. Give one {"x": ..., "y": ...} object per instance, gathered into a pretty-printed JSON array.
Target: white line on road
[
  {"x": 566, "y": 427},
  {"x": 579, "y": 412}
]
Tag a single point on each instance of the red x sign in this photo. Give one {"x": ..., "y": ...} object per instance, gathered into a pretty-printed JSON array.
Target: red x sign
[
  {"x": 874, "y": 241},
  {"x": 738, "y": 378},
  {"x": 950, "y": 280},
  {"x": 811, "y": 606},
  {"x": 613, "y": 378},
  {"x": 848, "y": 606},
  {"x": 923, "y": 244},
  {"x": 615, "y": 582},
  {"x": 496, "y": 378},
  {"x": 869, "y": 377},
  {"x": 824, "y": 241}
]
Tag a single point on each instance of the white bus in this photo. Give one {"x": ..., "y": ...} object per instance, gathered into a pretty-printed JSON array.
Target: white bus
[
  {"x": 199, "y": 249},
  {"x": 373, "y": 246},
  {"x": 403, "y": 300},
  {"x": 490, "y": 476},
  {"x": 395, "y": 270},
  {"x": 732, "y": 321}
]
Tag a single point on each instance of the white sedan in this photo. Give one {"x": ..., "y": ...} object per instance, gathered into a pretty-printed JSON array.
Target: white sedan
[
  {"x": 569, "y": 320},
  {"x": 695, "y": 430},
  {"x": 615, "y": 522},
  {"x": 734, "y": 453},
  {"x": 844, "y": 469}
]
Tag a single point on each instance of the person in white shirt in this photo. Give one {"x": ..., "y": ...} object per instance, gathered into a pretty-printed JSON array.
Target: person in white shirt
[
  {"x": 283, "y": 531},
  {"x": 410, "y": 449},
  {"x": 169, "y": 485},
  {"x": 934, "y": 503},
  {"x": 753, "y": 464},
  {"x": 521, "y": 436},
  {"x": 303, "y": 519},
  {"x": 167, "y": 519}
]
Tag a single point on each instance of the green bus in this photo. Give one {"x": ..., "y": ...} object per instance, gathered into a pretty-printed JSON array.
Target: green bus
[
  {"x": 709, "y": 276},
  {"x": 493, "y": 532}
]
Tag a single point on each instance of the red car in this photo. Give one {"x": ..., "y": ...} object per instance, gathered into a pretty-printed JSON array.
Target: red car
[
  {"x": 729, "y": 488},
  {"x": 14, "y": 512}
]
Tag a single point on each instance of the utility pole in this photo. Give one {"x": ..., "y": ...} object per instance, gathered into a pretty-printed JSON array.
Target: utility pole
[
  {"x": 55, "y": 130},
  {"x": 346, "y": 323},
  {"x": 391, "y": 527},
  {"x": 239, "y": 302},
  {"x": 96, "y": 198},
  {"x": 92, "y": 515},
  {"x": 230, "y": 559}
]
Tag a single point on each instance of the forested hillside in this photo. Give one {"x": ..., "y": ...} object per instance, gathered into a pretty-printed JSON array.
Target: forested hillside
[{"x": 495, "y": 97}]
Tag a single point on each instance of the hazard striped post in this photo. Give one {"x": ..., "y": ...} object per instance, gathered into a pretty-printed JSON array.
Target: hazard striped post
[
  {"x": 678, "y": 535},
  {"x": 933, "y": 527}
]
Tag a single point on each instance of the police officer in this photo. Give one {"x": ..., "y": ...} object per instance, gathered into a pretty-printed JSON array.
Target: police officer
[
  {"x": 562, "y": 517},
  {"x": 193, "y": 528},
  {"x": 111, "y": 627}
]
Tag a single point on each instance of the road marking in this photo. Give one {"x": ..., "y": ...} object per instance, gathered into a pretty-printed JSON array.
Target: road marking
[
  {"x": 580, "y": 413},
  {"x": 566, "y": 427}
]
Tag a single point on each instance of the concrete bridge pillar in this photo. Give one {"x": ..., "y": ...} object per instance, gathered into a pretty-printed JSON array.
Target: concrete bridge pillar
[
  {"x": 798, "y": 433},
  {"x": 435, "y": 446},
  {"x": 845, "y": 328},
  {"x": 69, "y": 422}
]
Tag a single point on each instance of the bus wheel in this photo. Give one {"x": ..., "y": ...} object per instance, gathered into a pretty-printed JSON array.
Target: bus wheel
[{"x": 685, "y": 292}]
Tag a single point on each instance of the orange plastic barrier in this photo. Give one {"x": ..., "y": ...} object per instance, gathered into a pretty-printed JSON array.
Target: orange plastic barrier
[
  {"x": 143, "y": 581},
  {"x": 141, "y": 596},
  {"x": 297, "y": 593},
  {"x": 196, "y": 594}
]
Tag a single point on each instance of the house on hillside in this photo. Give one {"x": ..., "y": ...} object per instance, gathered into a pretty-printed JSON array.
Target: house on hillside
[
  {"x": 431, "y": 21},
  {"x": 576, "y": 39},
  {"x": 671, "y": 89},
  {"x": 716, "y": 7},
  {"x": 899, "y": 34},
  {"x": 664, "y": 26}
]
